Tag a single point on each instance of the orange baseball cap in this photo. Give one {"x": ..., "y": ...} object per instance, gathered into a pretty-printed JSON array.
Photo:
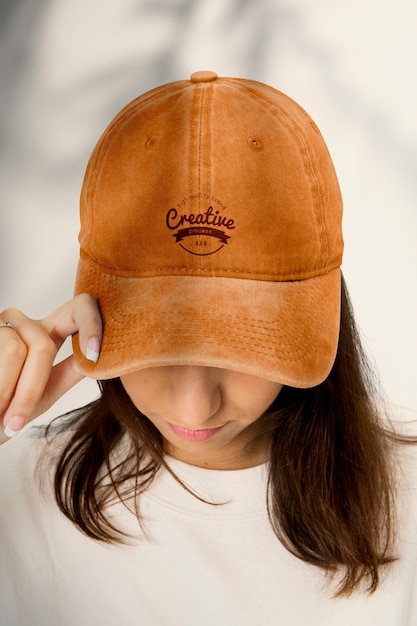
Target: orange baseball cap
[{"x": 211, "y": 234}]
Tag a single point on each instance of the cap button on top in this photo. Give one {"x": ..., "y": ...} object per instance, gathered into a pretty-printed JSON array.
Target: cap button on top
[{"x": 203, "y": 77}]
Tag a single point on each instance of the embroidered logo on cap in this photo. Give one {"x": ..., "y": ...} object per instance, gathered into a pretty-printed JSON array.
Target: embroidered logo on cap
[{"x": 202, "y": 233}]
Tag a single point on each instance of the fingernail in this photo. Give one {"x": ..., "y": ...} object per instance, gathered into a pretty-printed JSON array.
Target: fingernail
[
  {"x": 15, "y": 424},
  {"x": 93, "y": 350}
]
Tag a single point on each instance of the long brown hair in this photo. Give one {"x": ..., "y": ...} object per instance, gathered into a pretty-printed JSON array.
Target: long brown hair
[{"x": 331, "y": 483}]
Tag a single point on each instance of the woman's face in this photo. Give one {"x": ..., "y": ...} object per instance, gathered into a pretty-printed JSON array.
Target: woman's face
[{"x": 206, "y": 415}]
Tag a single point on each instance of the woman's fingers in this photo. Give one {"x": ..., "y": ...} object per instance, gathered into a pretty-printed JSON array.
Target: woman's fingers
[
  {"x": 13, "y": 353},
  {"x": 30, "y": 384},
  {"x": 63, "y": 377},
  {"x": 81, "y": 314}
]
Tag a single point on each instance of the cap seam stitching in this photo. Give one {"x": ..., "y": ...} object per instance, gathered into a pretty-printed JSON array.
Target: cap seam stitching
[
  {"x": 113, "y": 271},
  {"x": 324, "y": 246}
]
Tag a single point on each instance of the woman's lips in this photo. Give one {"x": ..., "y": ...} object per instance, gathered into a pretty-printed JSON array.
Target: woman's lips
[{"x": 194, "y": 435}]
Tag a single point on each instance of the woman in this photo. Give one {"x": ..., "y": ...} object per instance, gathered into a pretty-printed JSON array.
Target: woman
[{"x": 236, "y": 468}]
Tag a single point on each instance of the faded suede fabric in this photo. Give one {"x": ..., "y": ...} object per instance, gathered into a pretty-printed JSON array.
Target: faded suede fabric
[{"x": 211, "y": 234}]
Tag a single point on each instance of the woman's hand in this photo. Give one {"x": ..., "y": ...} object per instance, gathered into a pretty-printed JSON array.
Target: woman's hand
[{"x": 29, "y": 382}]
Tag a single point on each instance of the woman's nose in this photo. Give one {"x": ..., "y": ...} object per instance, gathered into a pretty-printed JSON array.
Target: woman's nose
[{"x": 196, "y": 395}]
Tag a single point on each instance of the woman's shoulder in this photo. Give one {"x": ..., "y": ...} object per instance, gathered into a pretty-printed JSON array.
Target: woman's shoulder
[
  {"x": 403, "y": 435},
  {"x": 26, "y": 461}
]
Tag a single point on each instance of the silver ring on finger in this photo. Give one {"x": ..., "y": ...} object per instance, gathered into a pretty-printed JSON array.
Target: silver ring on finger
[{"x": 7, "y": 325}]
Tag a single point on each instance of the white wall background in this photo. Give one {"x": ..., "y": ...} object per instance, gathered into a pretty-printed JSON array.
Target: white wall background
[{"x": 68, "y": 66}]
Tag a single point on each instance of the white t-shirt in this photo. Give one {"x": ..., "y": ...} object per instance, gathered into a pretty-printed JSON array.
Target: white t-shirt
[{"x": 200, "y": 565}]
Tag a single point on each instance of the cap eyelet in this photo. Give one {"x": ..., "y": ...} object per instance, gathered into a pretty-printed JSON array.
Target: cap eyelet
[
  {"x": 150, "y": 142},
  {"x": 255, "y": 144}
]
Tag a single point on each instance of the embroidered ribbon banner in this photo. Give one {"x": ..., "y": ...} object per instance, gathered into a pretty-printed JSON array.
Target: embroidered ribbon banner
[{"x": 210, "y": 232}]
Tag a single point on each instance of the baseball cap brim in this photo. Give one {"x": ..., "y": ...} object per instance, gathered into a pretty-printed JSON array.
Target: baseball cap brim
[{"x": 281, "y": 331}]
